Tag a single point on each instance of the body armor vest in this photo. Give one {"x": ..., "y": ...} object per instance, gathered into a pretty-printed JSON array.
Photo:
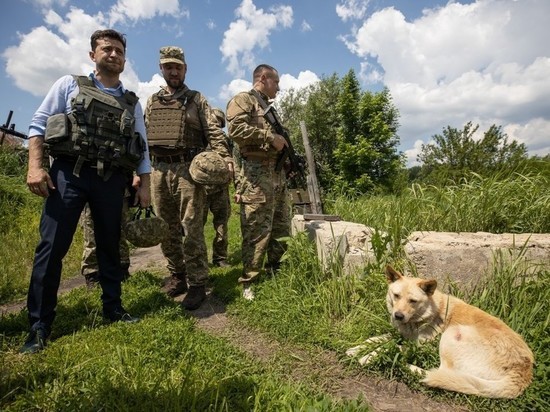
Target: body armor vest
[
  {"x": 174, "y": 121},
  {"x": 100, "y": 129}
]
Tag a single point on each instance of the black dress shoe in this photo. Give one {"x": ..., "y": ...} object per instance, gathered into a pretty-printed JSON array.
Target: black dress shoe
[
  {"x": 36, "y": 341},
  {"x": 119, "y": 315}
]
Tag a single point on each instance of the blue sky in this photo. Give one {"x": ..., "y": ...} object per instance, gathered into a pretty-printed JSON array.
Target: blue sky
[{"x": 444, "y": 62}]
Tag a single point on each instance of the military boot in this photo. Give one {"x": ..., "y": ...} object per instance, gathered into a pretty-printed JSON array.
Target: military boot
[
  {"x": 176, "y": 285},
  {"x": 194, "y": 297}
]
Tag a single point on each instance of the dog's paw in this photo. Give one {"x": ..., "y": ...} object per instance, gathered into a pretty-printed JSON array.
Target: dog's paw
[
  {"x": 379, "y": 339},
  {"x": 368, "y": 358},
  {"x": 351, "y": 352},
  {"x": 417, "y": 370}
]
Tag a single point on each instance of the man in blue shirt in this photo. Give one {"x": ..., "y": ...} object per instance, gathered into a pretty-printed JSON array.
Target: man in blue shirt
[{"x": 91, "y": 126}]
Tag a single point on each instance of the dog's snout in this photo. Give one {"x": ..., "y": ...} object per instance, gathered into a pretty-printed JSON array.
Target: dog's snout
[{"x": 398, "y": 316}]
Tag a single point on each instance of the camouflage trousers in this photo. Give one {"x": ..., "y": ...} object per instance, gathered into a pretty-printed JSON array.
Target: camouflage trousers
[
  {"x": 265, "y": 216},
  {"x": 217, "y": 201},
  {"x": 181, "y": 202},
  {"x": 89, "y": 265}
]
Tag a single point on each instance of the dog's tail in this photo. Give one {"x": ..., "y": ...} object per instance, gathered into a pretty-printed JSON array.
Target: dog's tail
[{"x": 457, "y": 381}]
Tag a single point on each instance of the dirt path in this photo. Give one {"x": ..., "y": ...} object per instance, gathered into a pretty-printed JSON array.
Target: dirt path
[{"x": 321, "y": 367}]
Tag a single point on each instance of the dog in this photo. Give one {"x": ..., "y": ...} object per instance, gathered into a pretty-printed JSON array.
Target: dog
[{"x": 479, "y": 354}]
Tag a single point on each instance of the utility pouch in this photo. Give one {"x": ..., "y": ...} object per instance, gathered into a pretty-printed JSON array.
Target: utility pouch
[
  {"x": 135, "y": 148},
  {"x": 58, "y": 129}
]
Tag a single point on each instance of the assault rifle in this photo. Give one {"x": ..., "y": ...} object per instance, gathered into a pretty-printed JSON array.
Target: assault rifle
[
  {"x": 297, "y": 165},
  {"x": 10, "y": 129}
]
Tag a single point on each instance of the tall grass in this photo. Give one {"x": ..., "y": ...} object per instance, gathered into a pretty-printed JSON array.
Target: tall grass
[
  {"x": 519, "y": 204},
  {"x": 19, "y": 219}
]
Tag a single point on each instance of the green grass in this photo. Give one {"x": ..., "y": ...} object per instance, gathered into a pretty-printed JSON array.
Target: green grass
[
  {"x": 166, "y": 362},
  {"x": 162, "y": 363}
]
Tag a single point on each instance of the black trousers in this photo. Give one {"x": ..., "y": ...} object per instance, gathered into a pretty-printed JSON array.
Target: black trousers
[{"x": 58, "y": 224}]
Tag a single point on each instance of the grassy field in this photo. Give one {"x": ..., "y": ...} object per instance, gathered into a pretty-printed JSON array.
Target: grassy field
[{"x": 166, "y": 363}]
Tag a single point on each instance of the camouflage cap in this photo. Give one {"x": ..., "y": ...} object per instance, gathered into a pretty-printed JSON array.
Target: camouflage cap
[
  {"x": 209, "y": 168},
  {"x": 148, "y": 231},
  {"x": 171, "y": 54},
  {"x": 220, "y": 116}
]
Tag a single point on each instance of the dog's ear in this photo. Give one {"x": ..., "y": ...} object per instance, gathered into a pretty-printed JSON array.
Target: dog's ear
[
  {"x": 428, "y": 286},
  {"x": 392, "y": 275}
]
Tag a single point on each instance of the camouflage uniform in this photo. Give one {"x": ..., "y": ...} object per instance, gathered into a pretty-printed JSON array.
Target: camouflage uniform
[
  {"x": 89, "y": 267},
  {"x": 217, "y": 201},
  {"x": 265, "y": 212},
  {"x": 176, "y": 197}
]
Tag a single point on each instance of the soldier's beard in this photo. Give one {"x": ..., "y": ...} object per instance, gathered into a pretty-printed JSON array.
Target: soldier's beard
[{"x": 174, "y": 83}]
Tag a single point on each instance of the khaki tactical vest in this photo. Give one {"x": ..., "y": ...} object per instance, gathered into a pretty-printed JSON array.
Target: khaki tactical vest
[
  {"x": 100, "y": 129},
  {"x": 174, "y": 121}
]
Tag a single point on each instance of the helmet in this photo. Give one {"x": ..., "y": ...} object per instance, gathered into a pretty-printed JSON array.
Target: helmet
[
  {"x": 148, "y": 231},
  {"x": 209, "y": 168}
]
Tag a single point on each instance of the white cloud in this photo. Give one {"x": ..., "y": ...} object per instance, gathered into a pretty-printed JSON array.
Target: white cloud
[
  {"x": 43, "y": 55},
  {"x": 48, "y": 4},
  {"x": 250, "y": 31},
  {"x": 287, "y": 82},
  {"x": 304, "y": 79},
  {"x": 145, "y": 89},
  {"x": 482, "y": 62},
  {"x": 60, "y": 46},
  {"x": 305, "y": 26},
  {"x": 227, "y": 91},
  {"x": 136, "y": 10},
  {"x": 412, "y": 154},
  {"x": 352, "y": 9},
  {"x": 211, "y": 24}
]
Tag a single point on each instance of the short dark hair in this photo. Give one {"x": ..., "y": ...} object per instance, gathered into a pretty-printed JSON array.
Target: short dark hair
[
  {"x": 258, "y": 71},
  {"x": 110, "y": 33}
]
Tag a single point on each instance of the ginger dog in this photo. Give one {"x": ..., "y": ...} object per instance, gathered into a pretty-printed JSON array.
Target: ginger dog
[{"x": 479, "y": 354}]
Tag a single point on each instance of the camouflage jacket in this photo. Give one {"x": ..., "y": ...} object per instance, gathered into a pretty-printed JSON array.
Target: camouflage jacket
[{"x": 247, "y": 126}]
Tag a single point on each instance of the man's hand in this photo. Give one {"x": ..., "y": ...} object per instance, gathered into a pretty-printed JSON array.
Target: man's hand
[
  {"x": 143, "y": 191},
  {"x": 231, "y": 168},
  {"x": 39, "y": 181},
  {"x": 279, "y": 142}
]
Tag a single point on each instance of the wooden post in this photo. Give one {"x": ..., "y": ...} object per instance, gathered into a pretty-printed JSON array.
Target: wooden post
[{"x": 312, "y": 183}]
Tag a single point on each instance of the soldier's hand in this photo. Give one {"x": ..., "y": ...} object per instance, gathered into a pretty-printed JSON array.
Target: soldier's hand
[
  {"x": 231, "y": 169},
  {"x": 237, "y": 198},
  {"x": 279, "y": 142}
]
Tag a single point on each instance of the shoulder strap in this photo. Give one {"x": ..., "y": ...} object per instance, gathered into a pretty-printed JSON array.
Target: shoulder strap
[{"x": 260, "y": 99}]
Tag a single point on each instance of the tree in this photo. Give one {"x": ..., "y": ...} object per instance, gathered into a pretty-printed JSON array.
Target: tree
[
  {"x": 456, "y": 153},
  {"x": 368, "y": 161},
  {"x": 315, "y": 105},
  {"x": 353, "y": 134}
]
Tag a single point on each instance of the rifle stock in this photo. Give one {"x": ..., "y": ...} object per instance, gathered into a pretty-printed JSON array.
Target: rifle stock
[{"x": 296, "y": 166}]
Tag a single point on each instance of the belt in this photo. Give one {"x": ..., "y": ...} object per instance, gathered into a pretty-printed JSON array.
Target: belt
[{"x": 186, "y": 156}]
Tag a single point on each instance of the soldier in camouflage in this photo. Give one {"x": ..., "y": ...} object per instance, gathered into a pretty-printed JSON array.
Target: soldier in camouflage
[
  {"x": 89, "y": 267},
  {"x": 262, "y": 192},
  {"x": 217, "y": 201},
  {"x": 181, "y": 125}
]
